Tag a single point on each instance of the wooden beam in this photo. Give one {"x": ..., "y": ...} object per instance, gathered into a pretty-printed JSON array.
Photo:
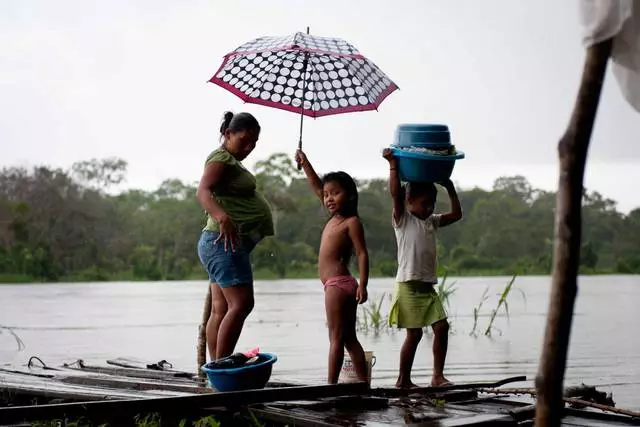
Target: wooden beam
[
  {"x": 105, "y": 409},
  {"x": 572, "y": 152},
  {"x": 201, "y": 350},
  {"x": 285, "y": 417},
  {"x": 397, "y": 392}
]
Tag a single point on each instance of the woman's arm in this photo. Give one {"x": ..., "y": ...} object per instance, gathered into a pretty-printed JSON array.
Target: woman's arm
[
  {"x": 356, "y": 233},
  {"x": 211, "y": 177},
  {"x": 312, "y": 176}
]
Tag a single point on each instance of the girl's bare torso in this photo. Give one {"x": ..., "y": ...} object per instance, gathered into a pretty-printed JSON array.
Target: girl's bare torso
[{"x": 335, "y": 249}]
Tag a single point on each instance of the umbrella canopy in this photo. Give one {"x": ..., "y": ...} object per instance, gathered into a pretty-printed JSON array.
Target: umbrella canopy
[{"x": 329, "y": 74}]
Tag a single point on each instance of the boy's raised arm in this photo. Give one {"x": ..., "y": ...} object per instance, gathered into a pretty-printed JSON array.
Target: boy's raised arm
[
  {"x": 312, "y": 176},
  {"x": 456, "y": 209},
  {"x": 397, "y": 193}
]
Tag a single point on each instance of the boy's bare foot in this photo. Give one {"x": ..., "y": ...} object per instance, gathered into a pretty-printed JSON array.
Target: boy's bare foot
[
  {"x": 405, "y": 384},
  {"x": 440, "y": 381}
]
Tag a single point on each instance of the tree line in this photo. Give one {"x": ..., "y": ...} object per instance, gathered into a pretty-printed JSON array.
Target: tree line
[{"x": 66, "y": 225}]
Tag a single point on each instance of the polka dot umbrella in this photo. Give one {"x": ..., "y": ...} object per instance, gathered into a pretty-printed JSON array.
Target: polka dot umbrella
[{"x": 329, "y": 74}]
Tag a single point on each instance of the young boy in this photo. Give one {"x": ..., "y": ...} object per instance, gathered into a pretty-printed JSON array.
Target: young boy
[{"x": 415, "y": 301}]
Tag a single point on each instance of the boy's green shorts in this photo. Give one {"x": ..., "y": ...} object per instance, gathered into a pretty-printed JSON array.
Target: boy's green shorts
[{"x": 415, "y": 305}]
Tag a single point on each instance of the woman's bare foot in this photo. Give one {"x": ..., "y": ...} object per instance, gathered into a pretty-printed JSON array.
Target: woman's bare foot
[
  {"x": 405, "y": 384},
  {"x": 440, "y": 381}
]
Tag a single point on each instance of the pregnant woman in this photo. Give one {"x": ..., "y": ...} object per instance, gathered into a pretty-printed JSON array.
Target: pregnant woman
[{"x": 238, "y": 218}]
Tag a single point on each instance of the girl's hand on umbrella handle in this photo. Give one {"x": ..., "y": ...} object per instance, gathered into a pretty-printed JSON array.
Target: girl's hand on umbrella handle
[
  {"x": 228, "y": 233},
  {"x": 301, "y": 158}
]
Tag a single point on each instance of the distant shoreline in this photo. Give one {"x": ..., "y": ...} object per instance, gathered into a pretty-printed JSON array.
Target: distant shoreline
[{"x": 13, "y": 279}]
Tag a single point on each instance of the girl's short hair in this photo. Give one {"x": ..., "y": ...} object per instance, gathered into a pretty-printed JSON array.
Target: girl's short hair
[{"x": 348, "y": 184}]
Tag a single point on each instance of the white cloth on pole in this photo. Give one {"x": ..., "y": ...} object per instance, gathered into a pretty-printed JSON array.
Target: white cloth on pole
[{"x": 620, "y": 20}]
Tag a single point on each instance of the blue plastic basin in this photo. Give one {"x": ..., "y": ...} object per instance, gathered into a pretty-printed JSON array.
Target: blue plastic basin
[
  {"x": 423, "y": 167},
  {"x": 422, "y": 135},
  {"x": 249, "y": 377}
]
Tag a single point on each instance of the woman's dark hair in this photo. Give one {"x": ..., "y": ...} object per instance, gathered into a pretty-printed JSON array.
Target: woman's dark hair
[
  {"x": 238, "y": 122},
  {"x": 416, "y": 189},
  {"x": 350, "y": 207}
]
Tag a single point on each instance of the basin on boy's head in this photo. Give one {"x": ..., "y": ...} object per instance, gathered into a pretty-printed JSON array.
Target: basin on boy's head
[
  {"x": 411, "y": 146},
  {"x": 422, "y": 135}
]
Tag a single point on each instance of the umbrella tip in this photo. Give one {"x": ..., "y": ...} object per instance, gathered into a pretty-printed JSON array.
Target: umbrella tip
[{"x": 307, "y": 30}]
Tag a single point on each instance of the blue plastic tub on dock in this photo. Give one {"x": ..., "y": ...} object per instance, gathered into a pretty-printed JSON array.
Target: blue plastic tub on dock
[
  {"x": 248, "y": 377},
  {"x": 424, "y": 167},
  {"x": 422, "y": 135}
]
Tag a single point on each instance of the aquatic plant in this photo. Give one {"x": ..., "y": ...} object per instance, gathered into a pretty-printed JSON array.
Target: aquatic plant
[
  {"x": 476, "y": 311},
  {"x": 446, "y": 291},
  {"x": 503, "y": 302},
  {"x": 372, "y": 318},
  {"x": 15, "y": 336}
]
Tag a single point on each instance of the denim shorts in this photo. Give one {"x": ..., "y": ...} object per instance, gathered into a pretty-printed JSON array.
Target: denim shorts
[{"x": 226, "y": 268}]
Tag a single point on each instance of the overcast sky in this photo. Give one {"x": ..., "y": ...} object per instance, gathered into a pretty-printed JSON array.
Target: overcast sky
[{"x": 128, "y": 78}]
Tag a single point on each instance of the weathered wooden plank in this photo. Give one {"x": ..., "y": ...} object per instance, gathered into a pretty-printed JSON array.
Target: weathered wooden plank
[
  {"x": 51, "y": 389},
  {"x": 104, "y": 409},
  {"x": 362, "y": 403},
  {"x": 25, "y": 371},
  {"x": 480, "y": 420},
  {"x": 134, "y": 373},
  {"x": 287, "y": 417},
  {"x": 128, "y": 383}
]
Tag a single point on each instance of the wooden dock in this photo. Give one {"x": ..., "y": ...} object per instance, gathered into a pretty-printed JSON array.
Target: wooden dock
[{"x": 122, "y": 388}]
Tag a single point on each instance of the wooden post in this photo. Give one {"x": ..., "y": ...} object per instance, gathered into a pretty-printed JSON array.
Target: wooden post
[
  {"x": 202, "y": 333},
  {"x": 572, "y": 152}
]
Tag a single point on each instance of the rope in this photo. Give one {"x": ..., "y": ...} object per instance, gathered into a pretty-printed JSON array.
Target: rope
[{"x": 32, "y": 358}]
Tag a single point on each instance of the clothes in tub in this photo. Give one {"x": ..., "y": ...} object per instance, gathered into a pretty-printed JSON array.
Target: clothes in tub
[
  {"x": 226, "y": 268},
  {"x": 349, "y": 284},
  {"x": 238, "y": 197},
  {"x": 415, "y": 305},
  {"x": 416, "y": 240}
]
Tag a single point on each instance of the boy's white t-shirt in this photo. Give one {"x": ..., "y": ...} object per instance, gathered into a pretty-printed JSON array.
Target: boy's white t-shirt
[{"x": 416, "y": 240}]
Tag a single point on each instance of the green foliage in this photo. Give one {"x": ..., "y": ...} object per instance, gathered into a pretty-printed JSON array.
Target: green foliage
[
  {"x": 148, "y": 420},
  {"x": 446, "y": 291},
  {"x": 372, "y": 319},
  {"x": 476, "y": 311},
  {"x": 503, "y": 303},
  {"x": 64, "y": 225}
]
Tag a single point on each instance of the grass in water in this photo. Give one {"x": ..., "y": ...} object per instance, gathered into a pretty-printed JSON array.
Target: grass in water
[
  {"x": 19, "y": 342},
  {"x": 476, "y": 311},
  {"x": 503, "y": 302},
  {"x": 446, "y": 291},
  {"x": 372, "y": 319}
]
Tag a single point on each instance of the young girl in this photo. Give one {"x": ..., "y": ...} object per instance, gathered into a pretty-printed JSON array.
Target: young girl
[{"x": 342, "y": 233}]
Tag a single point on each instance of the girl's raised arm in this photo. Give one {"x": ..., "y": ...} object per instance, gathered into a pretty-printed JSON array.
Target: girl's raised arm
[{"x": 312, "y": 176}]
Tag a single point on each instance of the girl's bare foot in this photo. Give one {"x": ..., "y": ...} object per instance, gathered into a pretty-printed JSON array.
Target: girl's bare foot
[
  {"x": 440, "y": 381},
  {"x": 405, "y": 384}
]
